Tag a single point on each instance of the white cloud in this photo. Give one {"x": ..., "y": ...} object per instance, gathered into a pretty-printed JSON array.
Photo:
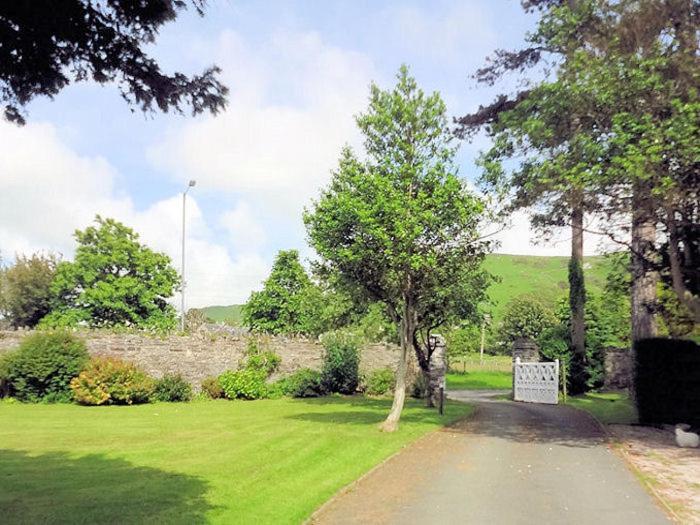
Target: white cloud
[
  {"x": 47, "y": 191},
  {"x": 246, "y": 235},
  {"x": 457, "y": 35},
  {"x": 291, "y": 110},
  {"x": 520, "y": 239}
]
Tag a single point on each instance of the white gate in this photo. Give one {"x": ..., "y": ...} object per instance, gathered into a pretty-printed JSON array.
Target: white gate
[{"x": 536, "y": 382}]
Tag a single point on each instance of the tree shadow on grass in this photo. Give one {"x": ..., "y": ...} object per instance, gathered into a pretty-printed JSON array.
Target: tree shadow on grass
[
  {"x": 364, "y": 411},
  {"x": 506, "y": 420},
  {"x": 58, "y": 488}
]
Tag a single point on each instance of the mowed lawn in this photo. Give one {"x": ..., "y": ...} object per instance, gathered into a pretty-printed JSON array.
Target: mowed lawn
[
  {"x": 471, "y": 372},
  {"x": 608, "y": 408},
  {"x": 271, "y": 461},
  {"x": 479, "y": 379}
]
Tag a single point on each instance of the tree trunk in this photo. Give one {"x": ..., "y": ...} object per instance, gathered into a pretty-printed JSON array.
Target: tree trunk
[
  {"x": 644, "y": 275},
  {"x": 691, "y": 302},
  {"x": 577, "y": 302},
  {"x": 391, "y": 423}
]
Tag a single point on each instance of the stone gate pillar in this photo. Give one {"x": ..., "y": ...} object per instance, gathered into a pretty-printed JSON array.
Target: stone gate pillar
[
  {"x": 526, "y": 349},
  {"x": 438, "y": 366}
]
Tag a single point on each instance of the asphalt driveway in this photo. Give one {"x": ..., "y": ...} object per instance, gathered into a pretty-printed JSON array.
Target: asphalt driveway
[{"x": 511, "y": 463}]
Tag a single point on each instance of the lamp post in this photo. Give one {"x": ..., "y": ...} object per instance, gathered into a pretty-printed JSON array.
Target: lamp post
[
  {"x": 184, "y": 200},
  {"x": 484, "y": 322}
]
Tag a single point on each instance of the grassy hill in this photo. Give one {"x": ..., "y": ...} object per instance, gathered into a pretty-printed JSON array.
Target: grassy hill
[
  {"x": 545, "y": 277},
  {"x": 220, "y": 314}
]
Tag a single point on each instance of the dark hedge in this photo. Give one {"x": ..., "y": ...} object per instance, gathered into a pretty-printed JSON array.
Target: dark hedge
[{"x": 667, "y": 381}]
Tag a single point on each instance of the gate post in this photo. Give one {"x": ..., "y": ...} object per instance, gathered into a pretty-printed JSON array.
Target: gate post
[{"x": 438, "y": 367}]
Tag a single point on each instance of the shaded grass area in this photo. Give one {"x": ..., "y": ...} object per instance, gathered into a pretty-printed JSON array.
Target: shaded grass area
[
  {"x": 479, "y": 379},
  {"x": 271, "y": 461},
  {"x": 609, "y": 408}
]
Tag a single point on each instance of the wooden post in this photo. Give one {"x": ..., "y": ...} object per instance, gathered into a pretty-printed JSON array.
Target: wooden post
[
  {"x": 442, "y": 400},
  {"x": 481, "y": 350},
  {"x": 564, "y": 378}
]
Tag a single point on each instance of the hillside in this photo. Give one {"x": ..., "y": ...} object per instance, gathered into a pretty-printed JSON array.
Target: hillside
[
  {"x": 230, "y": 314},
  {"x": 545, "y": 277}
]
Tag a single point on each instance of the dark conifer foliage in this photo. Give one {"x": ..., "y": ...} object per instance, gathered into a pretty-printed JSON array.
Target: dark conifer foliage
[{"x": 45, "y": 45}]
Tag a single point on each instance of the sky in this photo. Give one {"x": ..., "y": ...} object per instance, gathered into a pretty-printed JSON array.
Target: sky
[{"x": 298, "y": 72}]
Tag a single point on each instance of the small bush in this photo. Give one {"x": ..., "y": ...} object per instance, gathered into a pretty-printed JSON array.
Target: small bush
[
  {"x": 212, "y": 388},
  {"x": 419, "y": 389},
  {"x": 267, "y": 362},
  {"x": 379, "y": 382},
  {"x": 44, "y": 365},
  {"x": 244, "y": 384},
  {"x": 667, "y": 381},
  {"x": 303, "y": 383},
  {"x": 4, "y": 374},
  {"x": 341, "y": 365},
  {"x": 109, "y": 381},
  {"x": 172, "y": 388}
]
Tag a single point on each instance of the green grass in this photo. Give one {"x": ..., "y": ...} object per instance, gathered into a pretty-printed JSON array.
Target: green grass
[
  {"x": 544, "y": 276},
  {"x": 479, "y": 379},
  {"x": 272, "y": 461},
  {"x": 228, "y": 314},
  {"x": 471, "y": 372},
  {"x": 608, "y": 408}
]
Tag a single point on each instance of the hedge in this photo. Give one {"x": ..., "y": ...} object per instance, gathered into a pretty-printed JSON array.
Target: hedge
[{"x": 667, "y": 381}]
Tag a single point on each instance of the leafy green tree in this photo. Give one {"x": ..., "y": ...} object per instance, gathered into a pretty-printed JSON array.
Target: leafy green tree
[
  {"x": 400, "y": 227},
  {"x": 281, "y": 306},
  {"x": 617, "y": 122},
  {"x": 525, "y": 317},
  {"x": 547, "y": 134},
  {"x": 113, "y": 281},
  {"x": 26, "y": 289}
]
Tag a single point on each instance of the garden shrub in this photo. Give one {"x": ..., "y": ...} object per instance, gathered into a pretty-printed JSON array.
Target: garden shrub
[
  {"x": 44, "y": 365},
  {"x": 379, "y": 382},
  {"x": 109, "y": 381},
  {"x": 667, "y": 381},
  {"x": 267, "y": 362},
  {"x": 172, "y": 387},
  {"x": 341, "y": 364},
  {"x": 247, "y": 383},
  {"x": 303, "y": 383},
  {"x": 212, "y": 388},
  {"x": 258, "y": 357},
  {"x": 419, "y": 388},
  {"x": 4, "y": 374}
]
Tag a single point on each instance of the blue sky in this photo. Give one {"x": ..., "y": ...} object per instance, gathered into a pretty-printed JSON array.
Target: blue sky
[{"x": 298, "y": 72}]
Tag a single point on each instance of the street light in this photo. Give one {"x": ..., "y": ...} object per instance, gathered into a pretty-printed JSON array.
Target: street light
[
  {"x": 486, "y": 320},
  {"x": 184, "y": 200}
]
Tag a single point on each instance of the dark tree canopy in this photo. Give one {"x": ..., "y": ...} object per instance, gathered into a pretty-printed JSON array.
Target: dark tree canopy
[{"x": 47, "y": 44}]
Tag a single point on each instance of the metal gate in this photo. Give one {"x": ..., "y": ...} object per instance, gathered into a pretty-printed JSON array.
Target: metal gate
[{"x": 536, "y": 382}]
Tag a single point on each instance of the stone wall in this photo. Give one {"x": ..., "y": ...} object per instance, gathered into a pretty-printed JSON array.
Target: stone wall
[
  {"x": 206, "y": 354},
  {"x": 618, "y": 368}
]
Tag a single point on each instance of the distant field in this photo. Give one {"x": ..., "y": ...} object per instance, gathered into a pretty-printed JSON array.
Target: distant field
[
  {"x": 545, "y": 277},
  {"x": 220, "y": 314}
]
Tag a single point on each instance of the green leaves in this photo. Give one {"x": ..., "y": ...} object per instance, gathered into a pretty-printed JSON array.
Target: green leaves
[
  {"x": 400, "y": 226},
  {"x": 114, "y": 280},
  {"x": 387, "y": 222}
]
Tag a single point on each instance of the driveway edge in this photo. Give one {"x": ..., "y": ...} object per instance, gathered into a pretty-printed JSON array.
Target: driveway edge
[
  {"x": 619, "y": 451},
  {"x": 350, "y": 486}
]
